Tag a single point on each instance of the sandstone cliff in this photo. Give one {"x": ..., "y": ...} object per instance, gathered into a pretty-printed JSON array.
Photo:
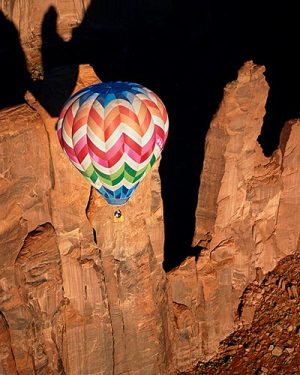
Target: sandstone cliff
[
  {"x": 269, "y": 344},
  {"x": 80, "y": 294},
  {"x": 246, "y": 219}
]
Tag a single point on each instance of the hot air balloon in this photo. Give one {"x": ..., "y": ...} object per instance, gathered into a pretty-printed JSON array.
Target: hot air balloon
[{"x": 113, "y": 132}]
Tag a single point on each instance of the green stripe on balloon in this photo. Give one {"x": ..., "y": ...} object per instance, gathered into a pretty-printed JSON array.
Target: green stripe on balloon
[{"x": 125, "y": 170}]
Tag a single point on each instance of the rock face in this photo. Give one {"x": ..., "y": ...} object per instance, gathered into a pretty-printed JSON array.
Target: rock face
[
  {"x": 269, "y": 343},
  {"x": 246, "y": 219},
  {"x": 7, "y": 362},
  {"x": 80, "y": 294},
  {"x": 29, "y": 16}
]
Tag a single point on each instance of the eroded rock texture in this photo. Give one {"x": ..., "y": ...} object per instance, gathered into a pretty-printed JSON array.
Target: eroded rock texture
[
  {"x": 7, "y": 362},
  {"x": 269, "y": 344},
  {"x": 246, "y": 219}
]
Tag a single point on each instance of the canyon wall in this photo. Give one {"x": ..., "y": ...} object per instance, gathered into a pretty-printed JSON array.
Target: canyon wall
[
  {"x": 246, "y": 219},
  {"x": 81, "y": 294}
]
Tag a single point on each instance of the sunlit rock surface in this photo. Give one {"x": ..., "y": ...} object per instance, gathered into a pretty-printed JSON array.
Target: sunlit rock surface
[{"x": 246, "y": 219}]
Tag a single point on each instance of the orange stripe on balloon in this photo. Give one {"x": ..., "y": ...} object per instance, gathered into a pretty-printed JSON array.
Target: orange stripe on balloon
[
  {"x": 78, "y": 123},
  {"x": 97, "y": 118},
  {"x": 145, "y": 118},
  {"x": 97, "y": 130},
  {"x": 68, "y": 122},
  {"x": 111, "y": 125},
  {"x": 131, "y": 119}
]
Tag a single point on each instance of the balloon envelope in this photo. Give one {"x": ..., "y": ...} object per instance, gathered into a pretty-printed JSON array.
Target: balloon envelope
[{"x": 113, "y": 132}]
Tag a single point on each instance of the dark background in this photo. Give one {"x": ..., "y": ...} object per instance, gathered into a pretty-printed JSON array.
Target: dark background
[{"x": 186, "y": 52}]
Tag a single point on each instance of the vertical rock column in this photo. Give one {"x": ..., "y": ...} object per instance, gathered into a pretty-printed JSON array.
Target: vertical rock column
[
  {"x": 205, "y": 292},
  {"x": 246, "y": 219}
]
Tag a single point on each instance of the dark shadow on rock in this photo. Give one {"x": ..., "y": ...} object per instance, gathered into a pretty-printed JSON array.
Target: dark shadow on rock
[
  {"x": 202, "y": 60},
  {"x": 59, "y": 68},
  {"x": 14, "y": 74}
]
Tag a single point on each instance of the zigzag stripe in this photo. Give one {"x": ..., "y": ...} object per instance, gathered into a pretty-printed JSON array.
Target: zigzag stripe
[
  {"x": 114, "y": 197},
  {"x": 123, "y": 180},
  {"x": 139, "y": 176},
  {"x": 156, "y": 107},
  {"x": 126, "y": 170},
  {"x": 80, "y": 148},
  {"x": 135, "y": 152},
  {"x": 113, "y": 169},
  {"x": 122, "y": 129},
  {"x": 113, "y": 186},
  {"x": 111, "y": 142},
  {"x": 137, "y": 171},
  {"x": 80, "y": 138},
  {"x": 117, "y": 114},
  {"x": 81, "y": 122},
  {"x": 73, "y": 158},
  {"x": 113, "y": 138}
]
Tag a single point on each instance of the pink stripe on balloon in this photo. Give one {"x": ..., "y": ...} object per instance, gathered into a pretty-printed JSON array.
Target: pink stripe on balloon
[
  {"x": 149, "y": 144},
  {"x": 82, "y": 154},
  {"x": 98, "y": 160},
  {"x": 80, "y": 144},
  {"x": 131, "y": 153},
  {"x": 144, "y": 152},
  {"x": 81, "y": 149},
  {"x": 107, "y": 154},
  {"x": 70, "y": 153}
]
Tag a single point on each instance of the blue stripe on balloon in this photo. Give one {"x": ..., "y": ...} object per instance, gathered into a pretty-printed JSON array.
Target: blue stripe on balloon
[
  {"x": 108, "y": 91},
  {"x": 119, "y": 196}
]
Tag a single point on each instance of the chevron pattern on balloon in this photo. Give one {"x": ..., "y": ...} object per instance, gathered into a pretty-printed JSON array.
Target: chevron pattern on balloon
[{"x": 113, "y": 133}]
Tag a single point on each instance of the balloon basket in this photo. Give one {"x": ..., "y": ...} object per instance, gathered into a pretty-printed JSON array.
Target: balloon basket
[{"x": 118, "y": 216}]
